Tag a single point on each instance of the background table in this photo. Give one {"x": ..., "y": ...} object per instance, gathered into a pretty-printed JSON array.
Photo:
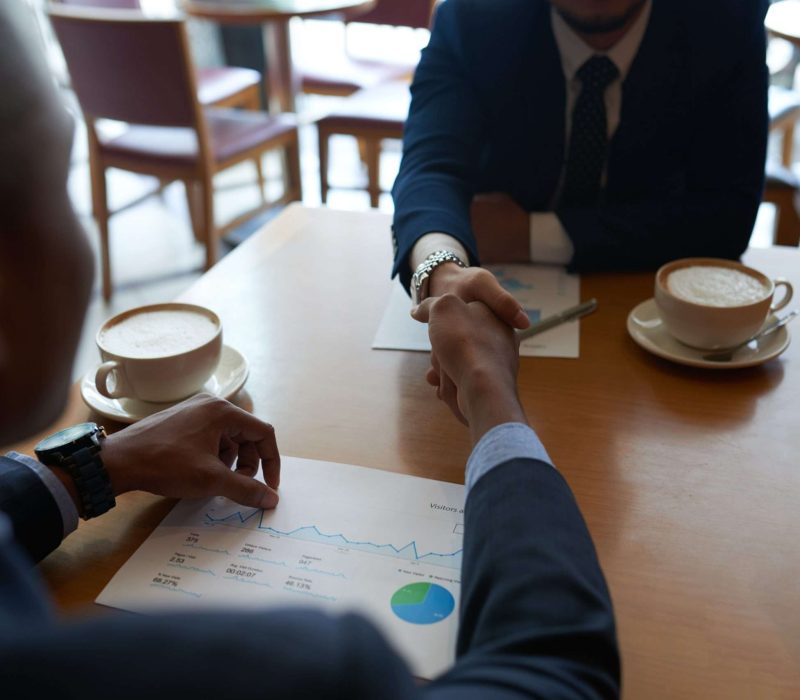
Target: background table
[
  {"x": 689, "y": 479},
  {"x": 275, "y": 16},
  {"x": 783, "y": 20}
]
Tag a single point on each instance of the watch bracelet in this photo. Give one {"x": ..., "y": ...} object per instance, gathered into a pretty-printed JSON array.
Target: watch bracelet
[
  {"x": 91, "y": 481},
  {"x": 431, "y": 262}
]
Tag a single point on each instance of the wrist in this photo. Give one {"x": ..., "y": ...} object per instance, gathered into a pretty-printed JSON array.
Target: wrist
[
  {"x": 489, "y": 399},
  {"x": 114, "y": 462},
  {"x": 442, "y": 278}
]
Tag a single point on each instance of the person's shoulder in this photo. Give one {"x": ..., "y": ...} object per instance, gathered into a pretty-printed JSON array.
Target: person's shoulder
[{"x": 716, "y": 18}]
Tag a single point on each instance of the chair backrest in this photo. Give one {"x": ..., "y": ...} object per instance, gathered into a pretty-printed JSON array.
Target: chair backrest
[
  {"x": 401, "y": 13},
  {"x": 124, "y": 66},
  {"x": 114, "y": 4}
]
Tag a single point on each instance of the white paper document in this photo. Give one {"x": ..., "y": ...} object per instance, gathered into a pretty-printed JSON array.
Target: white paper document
[
  {"x": 542, "y": 290},
  {"x": 342, "y": 538}
]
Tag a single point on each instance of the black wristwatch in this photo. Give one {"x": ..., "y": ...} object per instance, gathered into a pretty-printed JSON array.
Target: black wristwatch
[{"x": 77, "y": 451}]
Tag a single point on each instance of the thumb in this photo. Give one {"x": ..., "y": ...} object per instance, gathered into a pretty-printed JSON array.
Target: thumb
[
  {"x": 422, "y": 312},
  {"x": 247, "y": 491}
]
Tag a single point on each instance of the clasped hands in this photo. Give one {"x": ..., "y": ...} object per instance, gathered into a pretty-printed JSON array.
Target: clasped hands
[{"x": 207, "y": 447}]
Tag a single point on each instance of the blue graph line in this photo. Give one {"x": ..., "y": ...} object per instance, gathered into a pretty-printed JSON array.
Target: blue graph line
[
  {"x": 408, "y": 551},
  {"x": 207, "y": 549},
  {"x": 266, "y": 561},
  {"x": 192, "y": 568},
  {"x": 175, "y": 590},
  {"x": 332, "y": 598},
  {"x": 320, "y": 571},
  {"x": 247, "y": 580}
]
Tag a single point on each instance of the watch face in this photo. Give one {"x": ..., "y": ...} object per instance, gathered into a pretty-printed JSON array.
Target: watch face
[{"x": 66, "y": 436}]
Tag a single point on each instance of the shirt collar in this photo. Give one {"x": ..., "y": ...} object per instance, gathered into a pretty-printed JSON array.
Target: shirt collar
[{"x": 575, "y": 52}]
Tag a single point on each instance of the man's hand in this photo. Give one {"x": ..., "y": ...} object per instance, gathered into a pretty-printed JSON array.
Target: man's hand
[
  {"x": 474, "y": 362},
  {"x": 187, "y": 451},
  {"x": 501, "y": 228},
  {"x": 476, "y": 284}
]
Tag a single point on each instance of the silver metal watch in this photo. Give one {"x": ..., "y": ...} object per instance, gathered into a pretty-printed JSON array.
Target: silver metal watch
[{"x": 420, "y": 281}]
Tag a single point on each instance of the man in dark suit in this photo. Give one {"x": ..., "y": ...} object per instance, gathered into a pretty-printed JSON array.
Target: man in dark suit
[
  {"x": 614, "y": 134},
  {"x": 535, "y": 619}
]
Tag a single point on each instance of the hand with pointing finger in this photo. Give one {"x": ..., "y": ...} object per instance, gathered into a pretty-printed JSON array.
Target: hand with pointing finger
[{"x": 189, "y": 450}]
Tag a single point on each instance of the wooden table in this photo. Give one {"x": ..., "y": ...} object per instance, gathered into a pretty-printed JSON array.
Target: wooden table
[
  {"x": 689, "y": 479},
  {"x": 274, "y": 15}
]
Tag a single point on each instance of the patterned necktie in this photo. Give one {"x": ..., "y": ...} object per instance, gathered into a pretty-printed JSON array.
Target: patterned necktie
[{"x": 588, "y": 143}]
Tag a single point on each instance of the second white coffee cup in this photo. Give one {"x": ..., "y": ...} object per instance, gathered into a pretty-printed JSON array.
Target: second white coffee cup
[
  {"x": 712, "y": 303},
  {"x": 159, "y": 353}
]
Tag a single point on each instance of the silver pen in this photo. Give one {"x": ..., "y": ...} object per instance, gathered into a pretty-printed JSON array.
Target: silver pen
[{"x": 571, "y": 314}]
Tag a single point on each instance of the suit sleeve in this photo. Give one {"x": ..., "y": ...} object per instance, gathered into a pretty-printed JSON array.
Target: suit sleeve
[
  {"x": 536, "y": 615},
  {"x": 435, "y": 185},
  {"x": 724, "y": 175},
  {"x": 35, "y": 517}
]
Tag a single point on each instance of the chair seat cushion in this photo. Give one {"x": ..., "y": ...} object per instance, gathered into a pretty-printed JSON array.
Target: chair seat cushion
[
  {"x": 232, "y": 132},
  {"x": 384, "y": 107},
  {"x": 344, "y": 75},
  {"x": 215, "y": 84}
]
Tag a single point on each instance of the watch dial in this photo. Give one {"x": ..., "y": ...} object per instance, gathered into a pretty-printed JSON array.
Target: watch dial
[{"x": 66, "y": 436}]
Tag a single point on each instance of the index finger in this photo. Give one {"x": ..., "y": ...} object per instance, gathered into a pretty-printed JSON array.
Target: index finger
[{"x": 245, "y": 427}]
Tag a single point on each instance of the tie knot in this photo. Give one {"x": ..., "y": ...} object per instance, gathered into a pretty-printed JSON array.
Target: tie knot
[{"x": 597, "y": 73}]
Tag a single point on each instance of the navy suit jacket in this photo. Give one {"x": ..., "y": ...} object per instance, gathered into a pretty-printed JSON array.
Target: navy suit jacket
[
  {"x": 535, "y": 619},
  {"x": 686, "y": 164}
]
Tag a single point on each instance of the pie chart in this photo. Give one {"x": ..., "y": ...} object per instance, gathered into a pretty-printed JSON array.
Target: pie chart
[{"x": 423, "y": 603}]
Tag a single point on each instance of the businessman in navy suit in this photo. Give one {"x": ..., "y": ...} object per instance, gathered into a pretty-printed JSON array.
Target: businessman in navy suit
[
  {"x": 535, "y": 620},
  {"x": 610, "y": 134}
]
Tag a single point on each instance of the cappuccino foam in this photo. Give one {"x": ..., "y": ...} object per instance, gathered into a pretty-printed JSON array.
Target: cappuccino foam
[
  {"x": 161, "y": 333},
  {"x": 715, "y": 286}
]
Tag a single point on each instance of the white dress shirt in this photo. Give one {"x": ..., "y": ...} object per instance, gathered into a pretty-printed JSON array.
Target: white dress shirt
[{"x": 549, "y": 242}]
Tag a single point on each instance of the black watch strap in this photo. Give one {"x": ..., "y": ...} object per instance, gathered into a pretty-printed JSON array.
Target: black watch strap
[{"x": 91, "y": 480}]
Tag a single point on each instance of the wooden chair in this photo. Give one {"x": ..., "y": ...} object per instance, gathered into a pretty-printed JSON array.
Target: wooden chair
[
  {"x": 225, "y": 86},
  {"x": 782, "y": 186},
  {"x": 131, "y": 69},
  {"x": 342, "y": 74},
  {"x": 370, "y": 116}
]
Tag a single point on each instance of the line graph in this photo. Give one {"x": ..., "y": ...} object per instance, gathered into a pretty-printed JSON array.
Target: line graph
[{"x": 254, "y": 520}]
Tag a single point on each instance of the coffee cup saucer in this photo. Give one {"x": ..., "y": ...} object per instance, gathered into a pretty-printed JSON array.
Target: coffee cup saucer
[
  {"x": 228, "y": 378},
  {"x": 648, "y": 331}
]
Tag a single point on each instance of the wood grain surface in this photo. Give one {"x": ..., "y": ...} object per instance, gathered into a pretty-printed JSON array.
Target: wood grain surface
[{"x": 689, "y": 479}]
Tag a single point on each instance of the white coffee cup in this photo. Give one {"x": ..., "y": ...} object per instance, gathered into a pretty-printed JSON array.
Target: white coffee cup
[
  {"x": 712, "y": 303},
  {"x": 160, "y": 353}
]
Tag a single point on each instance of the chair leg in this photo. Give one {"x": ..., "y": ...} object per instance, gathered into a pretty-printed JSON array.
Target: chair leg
[
  {"x": 372, "y": 148},
  {"x": 209, "y": 230},
  {"x": 324, "y": 136},
  {"x": 788, "y": 145},
  {"x": 100, "y": 208},
  {"x": 260, "y": 177},
  {"x": 293, "y": 183},
  {"x": 194, "y": 201}
]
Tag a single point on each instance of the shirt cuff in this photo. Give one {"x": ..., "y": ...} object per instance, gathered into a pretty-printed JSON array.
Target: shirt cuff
[
  {"x": 549, "y": 242},
  {"x": 430, "y": 243},
  {"x": 500, "y": 445},
  {"x": 69, "y": 513}
]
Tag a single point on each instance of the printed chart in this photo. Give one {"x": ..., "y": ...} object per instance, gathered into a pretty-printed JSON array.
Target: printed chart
[
  {"x": 342, "y": 537},
  {"x": 542, "y": 290}
]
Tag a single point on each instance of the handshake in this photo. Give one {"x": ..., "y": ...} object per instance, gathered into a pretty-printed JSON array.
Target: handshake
[{"x": 189, "y": 450}]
